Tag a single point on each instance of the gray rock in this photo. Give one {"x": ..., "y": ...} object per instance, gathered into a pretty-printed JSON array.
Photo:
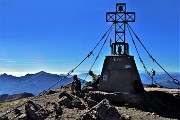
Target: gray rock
[
  {"x": 4, "y": 118},
  {"x": 35, "y": 111},
  {"x": 125, "y": 117},
  {"x": 78, "y": 104},
  {"x": 68, "y": 95},
  {"x": 64, "y": 101},
  {"x": 102, "y": 111},
  {"x": 91, "y": 103},
  {"x": 97, "y": 96},
  {"x": 22, "y": 117},
  {"x": 50, "y": 107},
  {"x": 53, "y": 108},
  {"x": 58, "y": 110}
]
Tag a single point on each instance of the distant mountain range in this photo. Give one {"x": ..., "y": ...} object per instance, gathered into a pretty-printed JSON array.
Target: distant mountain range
[
  {"x": 31, "y": 83},
  {"x": 36, "y": 83},
  {"x": 162, "y": 79},
  {"x": 7, "y": 97}
]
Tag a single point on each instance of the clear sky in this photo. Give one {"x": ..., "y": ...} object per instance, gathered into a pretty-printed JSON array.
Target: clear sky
[{"x": 55, "y": 35}]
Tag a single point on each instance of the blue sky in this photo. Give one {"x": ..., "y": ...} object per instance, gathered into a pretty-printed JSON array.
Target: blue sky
[{"x": 55, "y": 35}]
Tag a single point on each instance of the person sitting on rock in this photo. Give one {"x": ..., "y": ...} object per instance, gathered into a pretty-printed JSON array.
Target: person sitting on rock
[
  {"x": 95, "y": 79},
  {"x": 76, "y": 84}
]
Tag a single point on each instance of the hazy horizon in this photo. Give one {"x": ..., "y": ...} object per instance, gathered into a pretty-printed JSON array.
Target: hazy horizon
[{"x": 19, "y": 74}]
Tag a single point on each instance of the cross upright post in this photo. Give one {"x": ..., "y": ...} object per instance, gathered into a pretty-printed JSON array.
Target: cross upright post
[{"x": 120, "y": 18}]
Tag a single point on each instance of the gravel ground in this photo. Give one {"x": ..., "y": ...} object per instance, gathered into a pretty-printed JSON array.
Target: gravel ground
[{"x": 152, "y": 107}]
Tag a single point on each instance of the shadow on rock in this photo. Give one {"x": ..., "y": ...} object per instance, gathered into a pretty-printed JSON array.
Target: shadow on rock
[{"x": 161, "y": 103}]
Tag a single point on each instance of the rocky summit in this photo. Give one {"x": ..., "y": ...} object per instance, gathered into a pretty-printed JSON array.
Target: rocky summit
[{"x": 96, "y": 105}]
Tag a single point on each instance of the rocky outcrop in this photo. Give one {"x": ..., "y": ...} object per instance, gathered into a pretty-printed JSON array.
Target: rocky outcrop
[
  {"x": 35, "y": 111},
  {"x": 68, "y": 95},
  {"x": 76, "y": 103},
  {"x": 70, "y": 101},
  {"x": 96, "y": 105},
  {"x": 64, "y": 101},
  {"x": 102, "y": 111}
]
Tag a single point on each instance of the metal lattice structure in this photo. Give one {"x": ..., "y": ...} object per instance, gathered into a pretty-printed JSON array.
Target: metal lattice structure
[{"x": 120, "y": 18}]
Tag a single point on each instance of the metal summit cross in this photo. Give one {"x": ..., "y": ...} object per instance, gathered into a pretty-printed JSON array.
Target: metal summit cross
[{"x": 120, "y": 18}]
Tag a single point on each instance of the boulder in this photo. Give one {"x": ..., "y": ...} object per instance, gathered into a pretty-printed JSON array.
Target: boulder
[
  {"x": 91, "y": 103},
  {"x": 58, "y": 110},
  {"x": 102, "y": 111},
  {"x": 53, "y": 108},
  {"x": 97, "y": 96},
  {"x": 68, "y": 95},
  {"x": 35, "y": 111},
  {"x": 78, "y": 104},
  {"x": 64, "y": 101}
]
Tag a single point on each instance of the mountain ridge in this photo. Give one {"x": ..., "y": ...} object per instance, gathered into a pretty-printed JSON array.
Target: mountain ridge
[{"x": 36, "y": 83}]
